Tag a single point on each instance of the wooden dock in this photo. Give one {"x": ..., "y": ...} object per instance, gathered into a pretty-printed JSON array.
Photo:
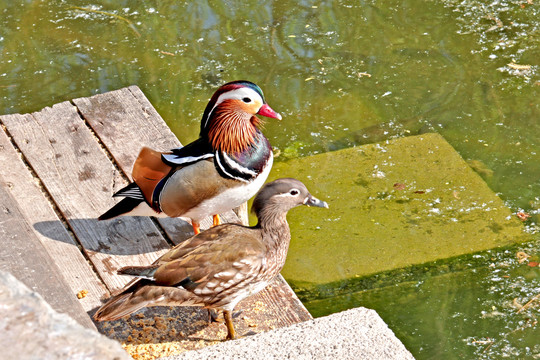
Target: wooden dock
[{"x": 60, "y": 167}]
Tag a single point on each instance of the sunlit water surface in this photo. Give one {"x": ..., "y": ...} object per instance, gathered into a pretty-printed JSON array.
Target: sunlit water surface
[{"x": 342, "y": 73}]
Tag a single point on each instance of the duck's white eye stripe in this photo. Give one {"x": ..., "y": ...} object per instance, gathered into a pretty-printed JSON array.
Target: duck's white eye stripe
[
  {"x": 292, "y": 192},
  {"x": 240, "y": 94}
]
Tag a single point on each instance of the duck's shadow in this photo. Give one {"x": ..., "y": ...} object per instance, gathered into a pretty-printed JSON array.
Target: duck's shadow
[
  {"x": 162, "y": 324},
  {"x": 188, "y": 326},
  {"x": 121, "y": 236}
]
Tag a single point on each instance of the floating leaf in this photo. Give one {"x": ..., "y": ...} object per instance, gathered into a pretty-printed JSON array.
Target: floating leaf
[
  {"x": 522, "y": 256},
  {"x": 519, "y": 67}
]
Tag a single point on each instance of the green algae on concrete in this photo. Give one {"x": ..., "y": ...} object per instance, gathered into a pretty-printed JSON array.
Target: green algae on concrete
[
  {"x": 395, "y": 204},
  {"x": 459, "y": 302}
]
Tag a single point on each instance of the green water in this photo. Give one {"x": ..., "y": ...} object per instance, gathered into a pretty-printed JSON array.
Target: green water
[{"x": 342, "y": 73}]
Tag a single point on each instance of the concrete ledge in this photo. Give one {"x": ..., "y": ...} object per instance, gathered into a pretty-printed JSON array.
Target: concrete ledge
[
  {"x": 31, "y": 329},
  {"x": 353, "y": 334}
]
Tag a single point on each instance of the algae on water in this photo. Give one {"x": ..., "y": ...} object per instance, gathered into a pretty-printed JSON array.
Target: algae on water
[{"x": 395, "y": 204}]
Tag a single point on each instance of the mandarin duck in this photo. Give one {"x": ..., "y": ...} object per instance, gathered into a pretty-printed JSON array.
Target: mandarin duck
[
  {"x": 222, "y": 169},
  {"x": 221, "y": 266}
]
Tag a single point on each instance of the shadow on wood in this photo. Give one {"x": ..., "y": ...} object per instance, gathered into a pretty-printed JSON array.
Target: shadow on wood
[
  {"x": 190, "y": 328},
  {"x": 120, "y": 236},
  {"x": 157, "y": 324}
]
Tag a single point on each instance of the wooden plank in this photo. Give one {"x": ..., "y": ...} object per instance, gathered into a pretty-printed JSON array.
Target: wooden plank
[
  {"x": 125, "y": 121},
  {"x": 79, "y": 176},
  {"x": 285, "y": 307},
  {"x": 122, "y": 116},
  {"x": 54, "y": 236},
  {"x": 23, "y": 255}
]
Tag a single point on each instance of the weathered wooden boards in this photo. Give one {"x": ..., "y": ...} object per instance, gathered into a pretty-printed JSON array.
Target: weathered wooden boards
[
  {"x": 77, "y": 174},
  {"x": 64, "y": 163},
  {"x": 24, "y": 256},
  {"x": 54, "y": 236}
]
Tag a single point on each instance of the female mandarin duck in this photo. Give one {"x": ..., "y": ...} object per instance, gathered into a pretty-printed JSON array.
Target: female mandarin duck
[
  {"x": 222, "y": 169},
  {"x": 221, "y": 266}
]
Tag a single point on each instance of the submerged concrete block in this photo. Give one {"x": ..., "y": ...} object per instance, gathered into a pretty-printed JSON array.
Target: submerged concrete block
[
  {"x": 31, "y": 329},
  {"x": 354, "y": 334},
  {"x": 403, "y": 202}
]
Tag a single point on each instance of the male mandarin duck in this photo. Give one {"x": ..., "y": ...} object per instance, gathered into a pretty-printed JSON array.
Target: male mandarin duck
[
  {"x": 221, "y": 266},
  {"x": 222, "y": 169}
]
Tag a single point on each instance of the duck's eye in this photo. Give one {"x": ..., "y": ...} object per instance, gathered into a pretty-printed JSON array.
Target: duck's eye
[
  {"x": 294, "y": 192},
  {"x": 246, "y": 100}
]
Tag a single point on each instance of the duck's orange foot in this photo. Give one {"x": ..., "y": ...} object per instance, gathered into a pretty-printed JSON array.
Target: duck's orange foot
[
  {"x": 217, "y": 220},
  {"x": 196, "y": 227}
]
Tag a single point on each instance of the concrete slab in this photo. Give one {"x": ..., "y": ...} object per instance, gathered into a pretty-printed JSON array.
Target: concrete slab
[
  {"x": 353, "y": 334},
  {"x": 31, "y": 329},
  {"x": 399, "y": 203}
]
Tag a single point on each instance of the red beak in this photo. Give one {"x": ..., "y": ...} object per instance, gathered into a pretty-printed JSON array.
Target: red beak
[{"x": 267, "y": 111}]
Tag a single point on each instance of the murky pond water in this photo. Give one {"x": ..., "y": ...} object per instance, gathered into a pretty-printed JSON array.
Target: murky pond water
[{"x": 343, "y": 73}]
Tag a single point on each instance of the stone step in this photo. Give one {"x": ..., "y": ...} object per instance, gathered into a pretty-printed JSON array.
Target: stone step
[
  {"x": 395, "y": 204},
  {"x": 31, "y": 329},
  {"x": 353, "y": 334}
]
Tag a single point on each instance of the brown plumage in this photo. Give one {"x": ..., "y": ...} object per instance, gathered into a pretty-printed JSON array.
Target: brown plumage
[{"x": 221, "y": 266}]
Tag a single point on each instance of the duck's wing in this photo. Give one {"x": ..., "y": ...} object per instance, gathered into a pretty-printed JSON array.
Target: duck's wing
[
  {"x": 216, "y": 233},
  {"x": 195, "y": 151},
  {"x": 216, "y": 267},
  {"x": 152, "y": 167}
]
